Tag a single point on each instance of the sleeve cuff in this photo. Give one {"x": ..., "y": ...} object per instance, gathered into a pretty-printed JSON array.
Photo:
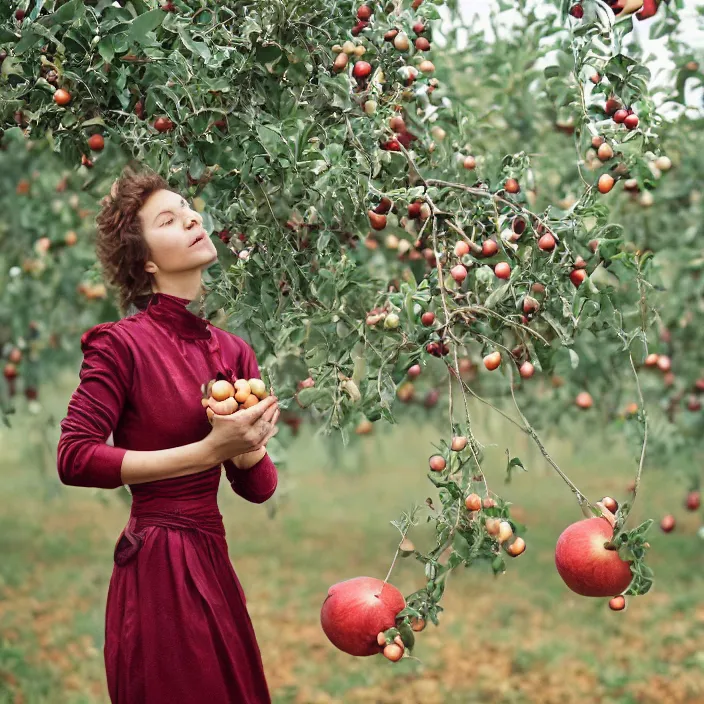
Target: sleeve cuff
[{"x": 256, "y": 484}]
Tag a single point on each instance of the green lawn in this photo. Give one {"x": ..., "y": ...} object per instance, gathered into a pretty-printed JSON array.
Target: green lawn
[{"x": 521, "y": 637}]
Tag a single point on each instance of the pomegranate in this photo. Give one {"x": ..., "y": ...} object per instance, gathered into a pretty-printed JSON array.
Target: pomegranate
[
  {"x": 356, "y": 610},
  {"x": 585, "y": 565}
]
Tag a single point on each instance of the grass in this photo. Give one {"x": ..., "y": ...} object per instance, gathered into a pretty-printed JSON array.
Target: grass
[{"x": 516, "y": 639}]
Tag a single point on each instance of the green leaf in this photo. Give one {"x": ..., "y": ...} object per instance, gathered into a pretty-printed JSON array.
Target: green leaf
[{"x": 143, "y": 24}]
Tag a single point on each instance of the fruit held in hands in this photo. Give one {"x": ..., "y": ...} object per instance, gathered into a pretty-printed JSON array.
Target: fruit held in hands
[
  {"x": 258, "y": 388},
  {"x": 242, "y": 390},
  {"x": 222, "y": 390},
  {"x": 357, "y": 610},
  {"x": 223, "y": 408},
  {"x": 585, "y": 565}
]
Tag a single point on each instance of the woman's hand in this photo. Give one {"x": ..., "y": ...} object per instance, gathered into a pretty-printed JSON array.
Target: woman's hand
[{"x": 244, "y": 431}]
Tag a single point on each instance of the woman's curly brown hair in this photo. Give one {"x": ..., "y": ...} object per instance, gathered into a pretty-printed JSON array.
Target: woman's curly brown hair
[{"x": 120, "y": 245}]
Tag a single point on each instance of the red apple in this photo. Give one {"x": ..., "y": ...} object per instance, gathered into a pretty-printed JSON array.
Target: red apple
[
  {"x": 585, "y": 565},
  {"x": 356, "y": 610}
]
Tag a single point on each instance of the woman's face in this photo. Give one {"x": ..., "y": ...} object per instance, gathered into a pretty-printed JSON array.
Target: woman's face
[{"x": 170, "y": 227}]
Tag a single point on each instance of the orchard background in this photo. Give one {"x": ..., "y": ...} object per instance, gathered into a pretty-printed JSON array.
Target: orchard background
[{"x": 468, "y": 277}]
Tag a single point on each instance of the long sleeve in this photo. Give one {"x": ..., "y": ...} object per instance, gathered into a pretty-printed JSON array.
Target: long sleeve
[
  {"x": 83, "y": 457},
  {"x": 258, "y": 483}
]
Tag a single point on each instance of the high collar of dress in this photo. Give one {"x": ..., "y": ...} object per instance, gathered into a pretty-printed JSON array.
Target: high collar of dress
[{"x": 172, "y": 312}]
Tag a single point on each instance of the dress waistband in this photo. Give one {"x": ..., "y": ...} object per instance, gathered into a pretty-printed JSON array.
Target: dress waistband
[{"x": 132, "y": 537}]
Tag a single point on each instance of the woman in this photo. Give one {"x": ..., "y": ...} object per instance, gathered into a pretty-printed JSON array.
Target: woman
[{"x": 177, "y": 629}]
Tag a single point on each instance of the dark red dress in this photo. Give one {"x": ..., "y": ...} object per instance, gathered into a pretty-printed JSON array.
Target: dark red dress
[{"x": 177, "y": 629}]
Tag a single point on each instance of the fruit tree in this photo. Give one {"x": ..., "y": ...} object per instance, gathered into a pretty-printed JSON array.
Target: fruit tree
[{"x": 381, "y": 224}]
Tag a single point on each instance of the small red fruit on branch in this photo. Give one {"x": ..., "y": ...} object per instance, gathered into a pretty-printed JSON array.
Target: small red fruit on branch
[
  {"x": 631, "y": 121},
  {"x": 620, "y": 115},
  {"x": 378, "y": 222},
  {"x": 459, "y": 442},
  {"x": 384, "y": 206},
  {"x": 502, "y": 270},
  {"x": 546, "y": 242},
  {"x": 526, "y": 370},
  {"x": 361, "y": 69},
  {"x": 517, "y": 547},
  {"x": 611, "y": 106},
  {"x": 618, "y": 603},
  {"x": 458, "y": 273},
  {"x": 437, "y": 463},
  {"x": 393, "y": 652},
  {"x": 364, "y": 12},
  {"x": 492, "y": 361},
  {"x": 473, "y": 502},
  {"x": 422, "y": 44},
  {"x": 512, "y": 186},
  {"x": 577, "y": 11},
  {"x": 96, "y": 142},
  {"x": 577, "y": 277},
  {"x": 163, "y": 124},
  {"x": 62, "y": 97},
  {"x": 489, "y": 248},
  {"x": 605, "y": 152},
  {"x": 585, "y": 565},
  {"x": 414, "y": 371},
  {"x": 605, "y": 183},
  {"x": 340, "y": 62},
  {"x": 610, "y": 504},
  {"x": 461, "y": 248},
  {"x": 428, "y": 318}
]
